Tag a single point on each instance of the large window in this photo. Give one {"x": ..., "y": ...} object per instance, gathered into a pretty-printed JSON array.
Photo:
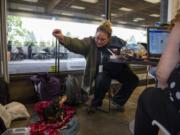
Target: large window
[
  {"x": 135, "y": 14},
  {"x": 35, "y": 50},
  {"x": 131, "y": 19},
  {"x": 32, "y": 48}
]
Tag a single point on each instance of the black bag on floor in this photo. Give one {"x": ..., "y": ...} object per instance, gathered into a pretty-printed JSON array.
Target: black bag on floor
[{"x": 4, "y": 92}]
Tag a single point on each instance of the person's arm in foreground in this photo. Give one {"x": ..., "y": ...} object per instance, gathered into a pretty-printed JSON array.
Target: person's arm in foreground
[{"x": 170, "y": 57}]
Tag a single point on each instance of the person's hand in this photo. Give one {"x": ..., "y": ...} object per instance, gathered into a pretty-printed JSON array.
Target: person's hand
[
  {"x": 115, "y": 51},
  {"x": 162, "y": 86},
  {"x": 62, "y": 100},
  {"x": 58, "y": 34}
]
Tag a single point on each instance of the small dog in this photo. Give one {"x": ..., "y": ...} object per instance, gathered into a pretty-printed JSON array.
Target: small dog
[{"x": 55, "y": 112}]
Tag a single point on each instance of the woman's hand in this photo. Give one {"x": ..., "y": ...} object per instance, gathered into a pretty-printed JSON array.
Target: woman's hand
[
  {"x": 162, "y": 83},
  {"x": 62, "y": 100},
  {"x": 58, "y": 34}
]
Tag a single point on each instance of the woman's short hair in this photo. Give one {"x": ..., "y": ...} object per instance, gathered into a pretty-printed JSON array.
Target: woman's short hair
[{"x": 105, "y": 27}]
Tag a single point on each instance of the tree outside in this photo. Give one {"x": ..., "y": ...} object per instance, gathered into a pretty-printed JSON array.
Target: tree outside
[{"x": 16, "y": 33}]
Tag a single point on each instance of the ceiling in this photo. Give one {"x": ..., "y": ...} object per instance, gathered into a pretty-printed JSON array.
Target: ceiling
[{"x": 128, "y": 13}]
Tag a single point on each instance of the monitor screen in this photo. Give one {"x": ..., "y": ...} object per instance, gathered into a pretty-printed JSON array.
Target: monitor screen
[{"x": 157, "y": 40}]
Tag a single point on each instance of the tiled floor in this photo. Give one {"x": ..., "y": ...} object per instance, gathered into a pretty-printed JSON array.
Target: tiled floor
[
  {"x": 100, "y": 123},
  {"x": 113, "y": 123}
]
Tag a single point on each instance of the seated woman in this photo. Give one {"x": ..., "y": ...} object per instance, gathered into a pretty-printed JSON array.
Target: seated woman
[{"x": 163, "y": 103}]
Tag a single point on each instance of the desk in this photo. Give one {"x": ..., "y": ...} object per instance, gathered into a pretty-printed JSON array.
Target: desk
[{"x": 138, "y": 62}]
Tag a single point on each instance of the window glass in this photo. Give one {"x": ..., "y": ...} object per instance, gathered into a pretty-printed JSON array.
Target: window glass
[
  {"x": 30, "y": 24},
  {"x": 131, "y": 18},
  {"x": 31, "y": 45}
]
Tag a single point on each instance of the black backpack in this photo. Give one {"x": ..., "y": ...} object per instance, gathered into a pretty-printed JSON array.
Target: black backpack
[
  {"x": 75, "y": 95},
  {"x": 4, "y": 92},
  {"x": 73, "y": 90}
]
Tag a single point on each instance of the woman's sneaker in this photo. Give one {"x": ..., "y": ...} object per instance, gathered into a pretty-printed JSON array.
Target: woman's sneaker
[{"x": 117, "y": 107}]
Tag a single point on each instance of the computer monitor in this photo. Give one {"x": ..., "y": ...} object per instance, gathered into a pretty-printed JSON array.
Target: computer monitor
[{"x": 157, "y": 40}]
